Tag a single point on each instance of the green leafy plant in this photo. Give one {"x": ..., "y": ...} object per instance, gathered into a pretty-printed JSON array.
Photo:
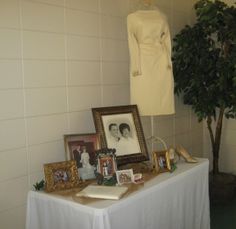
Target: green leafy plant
[
  {"x": 39, "y": 185},
  {"x": 204, "y": 65}
]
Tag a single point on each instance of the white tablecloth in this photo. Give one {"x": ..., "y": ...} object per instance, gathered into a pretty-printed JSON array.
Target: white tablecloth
[{"x": 176, "y": 200}]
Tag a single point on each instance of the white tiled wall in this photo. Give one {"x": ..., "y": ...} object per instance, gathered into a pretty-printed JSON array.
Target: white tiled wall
[{"x": 59, "y": 58}]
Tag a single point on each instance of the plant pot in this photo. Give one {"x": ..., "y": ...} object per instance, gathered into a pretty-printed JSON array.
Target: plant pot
[{"x": 222, "y": 188}]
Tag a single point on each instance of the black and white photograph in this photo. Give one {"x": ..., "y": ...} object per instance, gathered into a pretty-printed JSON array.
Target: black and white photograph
[
  {"x": 121, "y": 134},
  {"x": 120, "y": 129}
]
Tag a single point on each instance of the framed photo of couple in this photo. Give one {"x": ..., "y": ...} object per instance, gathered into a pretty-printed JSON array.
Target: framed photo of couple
[
  {"x": 120, "y": 128},
  {"x": 81, "y": 148}
]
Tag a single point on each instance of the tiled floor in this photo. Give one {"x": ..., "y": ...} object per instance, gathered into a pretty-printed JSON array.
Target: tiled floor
[{"x": 224, "y": 216}]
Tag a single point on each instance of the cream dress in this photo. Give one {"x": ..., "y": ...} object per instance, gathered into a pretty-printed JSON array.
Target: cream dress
[{"x": 151, "y": 80}]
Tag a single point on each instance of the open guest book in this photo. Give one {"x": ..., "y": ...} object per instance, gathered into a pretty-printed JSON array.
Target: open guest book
[{"x": 103, "y": 192}]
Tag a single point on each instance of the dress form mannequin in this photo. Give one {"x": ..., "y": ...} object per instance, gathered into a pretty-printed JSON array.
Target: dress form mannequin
[{"x": 151, "y": 77}]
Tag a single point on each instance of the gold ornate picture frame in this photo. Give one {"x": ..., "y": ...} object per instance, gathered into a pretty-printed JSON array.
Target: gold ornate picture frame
[
  {"x": 161, "y": 161},
  {"x": 120, "y": 128},
  {"x": 61, "y": 175}
]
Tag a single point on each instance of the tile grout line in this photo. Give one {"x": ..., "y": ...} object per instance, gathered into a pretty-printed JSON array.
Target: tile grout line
[
  {"x": 101, "y": 53},
  {"x": 66, "y": 71},
  {"x": 24, "y": 94}
]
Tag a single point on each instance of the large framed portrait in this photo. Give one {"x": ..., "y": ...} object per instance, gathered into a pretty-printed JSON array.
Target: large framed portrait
[
  {"x": 81, "y": 148},
  {"x": 120, "y": 128},
  {"x": 61, "y": 175}
]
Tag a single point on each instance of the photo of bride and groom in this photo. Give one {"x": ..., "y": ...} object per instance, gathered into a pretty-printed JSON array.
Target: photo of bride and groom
[{"x": 122, "y": 137}]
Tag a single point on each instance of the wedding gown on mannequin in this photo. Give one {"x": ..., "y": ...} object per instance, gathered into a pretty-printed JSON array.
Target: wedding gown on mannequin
[{"x": 151, "y": 80}]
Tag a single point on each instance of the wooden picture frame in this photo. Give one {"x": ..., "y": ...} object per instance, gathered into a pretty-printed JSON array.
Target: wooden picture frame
[
  {"x": 89, "y": 140},
  {"x": 125, "y": 176},
  {"x": 161, "y": 161},
  {"x": 120, "y": 128},
  {"x": 61, "y": 175},
  {"x": 82, "y": 148}
]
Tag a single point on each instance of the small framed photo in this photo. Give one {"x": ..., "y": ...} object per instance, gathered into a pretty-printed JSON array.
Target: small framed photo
[
  {"x": 161, "y": 161},
  {"x": 106, "y": 163},
  {"x": 120, "y": 128},
  {"x": 61, "y": 175},
  {"x": 124, "y": 176},
  {"x": 81, "y": 148}
]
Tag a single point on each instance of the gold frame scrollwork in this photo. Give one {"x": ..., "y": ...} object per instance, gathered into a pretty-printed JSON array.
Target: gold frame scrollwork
[{"x": 68, "y": 168}]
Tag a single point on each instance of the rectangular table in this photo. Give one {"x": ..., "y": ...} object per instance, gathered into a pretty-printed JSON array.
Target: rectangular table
[{"x": 177, "y": 200}]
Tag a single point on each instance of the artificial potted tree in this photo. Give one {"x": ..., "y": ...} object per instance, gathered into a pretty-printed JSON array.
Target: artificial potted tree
[{"x": 204, "y": 65}]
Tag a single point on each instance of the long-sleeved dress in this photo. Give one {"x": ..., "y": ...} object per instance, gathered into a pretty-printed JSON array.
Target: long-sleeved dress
[{"x": 151, "y": 76}]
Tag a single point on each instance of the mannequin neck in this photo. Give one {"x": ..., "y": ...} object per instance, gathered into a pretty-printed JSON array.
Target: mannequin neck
[{"x": 146, "y": 5}]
